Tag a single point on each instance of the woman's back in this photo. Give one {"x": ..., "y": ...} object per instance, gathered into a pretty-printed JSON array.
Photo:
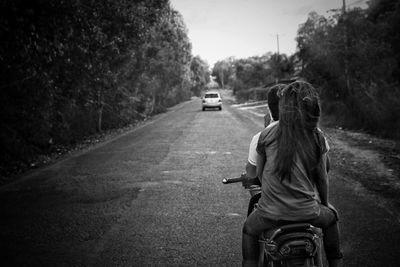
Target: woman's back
[{"x": 285, "y": 199}]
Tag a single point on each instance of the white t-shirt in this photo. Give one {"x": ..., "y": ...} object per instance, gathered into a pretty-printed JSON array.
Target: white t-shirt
[{"x": 253, "y": 155}]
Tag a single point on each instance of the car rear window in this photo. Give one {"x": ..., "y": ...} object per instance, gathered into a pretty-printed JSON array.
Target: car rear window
[{"x": 211, "y": 96}]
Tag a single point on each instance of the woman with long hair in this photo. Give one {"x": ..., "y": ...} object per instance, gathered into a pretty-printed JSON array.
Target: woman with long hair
[{"x": 294, "y": 179}]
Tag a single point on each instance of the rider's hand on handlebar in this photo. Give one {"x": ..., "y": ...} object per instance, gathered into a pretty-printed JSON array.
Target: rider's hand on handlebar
[{"x": 247, "y": 181}]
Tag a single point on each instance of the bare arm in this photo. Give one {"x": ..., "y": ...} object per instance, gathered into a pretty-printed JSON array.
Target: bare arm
[
  {"x": 260, "y": 165},
  {"x": 252, "y": 158},
  {"x": 322, "y": 181}
]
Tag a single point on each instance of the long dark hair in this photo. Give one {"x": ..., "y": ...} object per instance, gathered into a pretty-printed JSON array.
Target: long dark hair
[{"x": 298, "y": 134}]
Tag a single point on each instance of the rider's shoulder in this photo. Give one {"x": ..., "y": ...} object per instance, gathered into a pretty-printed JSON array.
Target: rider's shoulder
[
  {"x": 323, "y": 140},
  {"x": 272, "y": 125},
  {"x": 269, "y": 132}
]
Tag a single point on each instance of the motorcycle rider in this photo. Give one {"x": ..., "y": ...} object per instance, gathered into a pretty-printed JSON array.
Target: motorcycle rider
[
  {"x": 269, "y": 120},
  {"x": 292, "y": 167}
]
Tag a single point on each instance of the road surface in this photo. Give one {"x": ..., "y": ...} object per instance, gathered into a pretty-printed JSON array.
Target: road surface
[{"x": 154, "y": 196}]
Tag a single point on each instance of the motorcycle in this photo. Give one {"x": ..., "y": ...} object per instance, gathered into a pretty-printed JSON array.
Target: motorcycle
[{"x": 288, "y": 245}]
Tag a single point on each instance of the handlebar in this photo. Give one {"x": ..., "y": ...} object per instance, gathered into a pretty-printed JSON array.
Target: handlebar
[{"x": 233, "y": 180}]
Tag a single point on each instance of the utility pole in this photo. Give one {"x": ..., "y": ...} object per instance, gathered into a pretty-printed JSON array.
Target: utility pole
[
  {"x": 346, "y": 48},
  {"x": 277, "y": 41}
]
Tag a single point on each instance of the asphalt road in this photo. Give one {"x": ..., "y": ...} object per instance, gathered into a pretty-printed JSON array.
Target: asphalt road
[{"x": 154, "y": 197}]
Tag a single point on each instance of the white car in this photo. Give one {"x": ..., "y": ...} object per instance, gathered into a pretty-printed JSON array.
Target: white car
[{"x": 211, "y": 100}]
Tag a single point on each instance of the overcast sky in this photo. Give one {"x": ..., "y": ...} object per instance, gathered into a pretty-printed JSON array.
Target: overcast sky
[{"x": 243, "y": 28}]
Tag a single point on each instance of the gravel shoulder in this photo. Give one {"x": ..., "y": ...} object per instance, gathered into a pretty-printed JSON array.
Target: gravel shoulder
[{"x": 372, "y": 164}]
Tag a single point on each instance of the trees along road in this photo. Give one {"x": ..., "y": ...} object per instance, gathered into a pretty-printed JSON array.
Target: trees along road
[{"x": 154, "y": 196}]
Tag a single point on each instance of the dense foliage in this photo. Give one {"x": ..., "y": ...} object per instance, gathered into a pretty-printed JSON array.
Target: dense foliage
[
  {"x": 243, "y": 74},
  {"x": 73, "y": 68},
  {"x": 354, "y": 57},
  {"x": 200, "y": 75}
]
